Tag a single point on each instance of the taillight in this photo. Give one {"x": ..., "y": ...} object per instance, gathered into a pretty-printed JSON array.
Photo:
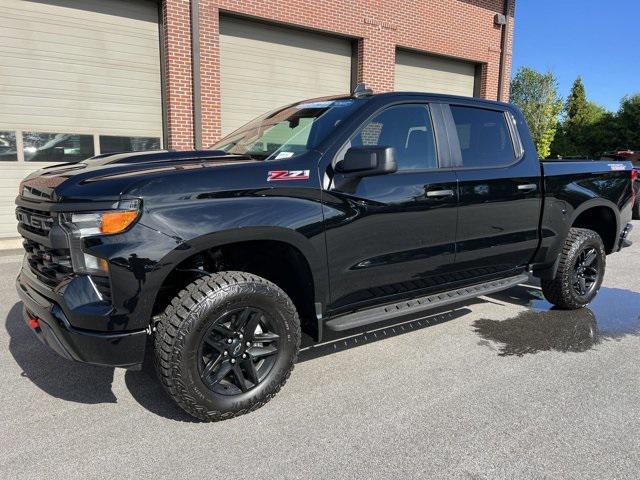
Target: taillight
[{"x": 634, "y": 175}]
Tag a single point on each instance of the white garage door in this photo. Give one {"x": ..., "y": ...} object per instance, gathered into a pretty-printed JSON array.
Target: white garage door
[
  {"x": 264, "y": 66},
  {"x": 418, "y": 72},
  {"x": 76, "y": 78}
]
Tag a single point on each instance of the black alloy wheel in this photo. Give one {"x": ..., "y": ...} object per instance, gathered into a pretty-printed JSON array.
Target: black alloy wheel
[
  {"x": 580, "y": 270},
  {"x": 237, "y": 351},
  {"x": 586, "y": 271},
  {"x": 226, "y": 344}
]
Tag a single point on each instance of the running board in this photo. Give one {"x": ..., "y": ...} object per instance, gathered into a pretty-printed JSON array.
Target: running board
[{"x": 406, "y": 307}]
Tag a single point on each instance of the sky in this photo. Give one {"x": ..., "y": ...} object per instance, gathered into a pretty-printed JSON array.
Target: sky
[{"x": 598, "y": 40}]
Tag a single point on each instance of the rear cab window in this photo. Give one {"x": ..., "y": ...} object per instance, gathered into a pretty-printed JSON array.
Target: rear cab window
[{"x": 484, "y": 137}]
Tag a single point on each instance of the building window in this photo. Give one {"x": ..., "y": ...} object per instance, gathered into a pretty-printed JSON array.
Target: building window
[
  {"x": 113, "y": 144},
  {"x": 56, "y": 147},
  {"x": 8, "y": 148}
]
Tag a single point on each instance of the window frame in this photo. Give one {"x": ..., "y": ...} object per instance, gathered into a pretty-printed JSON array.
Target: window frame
[
  {"x": 454, "y": 142},
  {"x": 436, "y": 126}
]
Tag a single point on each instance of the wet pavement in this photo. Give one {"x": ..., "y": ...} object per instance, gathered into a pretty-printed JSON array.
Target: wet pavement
[
  {"x": 614, "y": 314},
  {"x": 503, "y": 386}
]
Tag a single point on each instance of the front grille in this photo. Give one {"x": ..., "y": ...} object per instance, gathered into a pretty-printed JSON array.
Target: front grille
[
  {"x": 34, "y": 221},
  {"x": 51, "y": 266}
]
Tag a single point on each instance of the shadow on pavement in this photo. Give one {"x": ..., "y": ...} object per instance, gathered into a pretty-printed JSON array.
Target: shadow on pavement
[
  {"x": 55, "y": 375},
  {"x": 614, "y": 314},
  {"x": 80, "y": 383},
  {"x": 146, "y": 389}
]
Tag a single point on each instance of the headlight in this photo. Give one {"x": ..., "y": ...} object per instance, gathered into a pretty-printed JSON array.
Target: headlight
[{"x": 107, "y": 222}]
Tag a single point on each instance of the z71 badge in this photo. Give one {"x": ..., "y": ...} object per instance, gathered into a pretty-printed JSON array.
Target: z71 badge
[{"x": 281, "y": 175}]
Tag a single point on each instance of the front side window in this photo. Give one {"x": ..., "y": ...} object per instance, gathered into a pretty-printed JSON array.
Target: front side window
[
  {"x": 289, "y": 131},
  {"x": 56, "y": 147},
  {"x": 406, "y": 128},
  {"x": 484, "y": 137}
]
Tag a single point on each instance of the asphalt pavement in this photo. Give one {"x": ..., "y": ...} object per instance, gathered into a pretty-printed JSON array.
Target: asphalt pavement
[{"x": 499, "y": 387}]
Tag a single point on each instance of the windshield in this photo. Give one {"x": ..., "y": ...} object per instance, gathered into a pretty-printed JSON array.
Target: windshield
[{"x": 289, "y": 131}]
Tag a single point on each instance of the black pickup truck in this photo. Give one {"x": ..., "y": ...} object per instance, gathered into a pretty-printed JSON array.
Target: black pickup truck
[{"x": 329, "y": 214}]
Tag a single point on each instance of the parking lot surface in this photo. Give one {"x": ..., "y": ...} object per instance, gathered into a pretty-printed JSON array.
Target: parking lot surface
[{"x": 499, "y": 387}]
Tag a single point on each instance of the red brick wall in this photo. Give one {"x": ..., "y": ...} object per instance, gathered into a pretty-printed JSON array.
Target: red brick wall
[
  {"x": 176, "y": 26},
  {"x": 456, "y": 28}
]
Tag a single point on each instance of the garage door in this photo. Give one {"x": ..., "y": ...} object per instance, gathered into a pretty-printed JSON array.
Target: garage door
[
  {"x": 76, "y": 78},
  {"x": 417, "y": 72},
  {"x": 265, "y": 66}
]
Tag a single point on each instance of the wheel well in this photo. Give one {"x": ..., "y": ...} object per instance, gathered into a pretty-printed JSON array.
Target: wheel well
[
  {"x": 601, "y": 220},
  {"x": 278, "y": 262}
]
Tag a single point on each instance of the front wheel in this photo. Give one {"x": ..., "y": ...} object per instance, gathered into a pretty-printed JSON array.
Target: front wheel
[
  {"x": 226, "y": 344},
  {"x": 580, "y": 270}
]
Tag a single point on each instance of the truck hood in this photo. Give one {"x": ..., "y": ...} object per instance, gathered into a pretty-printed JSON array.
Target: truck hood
[{"x": 105, "y": 177}]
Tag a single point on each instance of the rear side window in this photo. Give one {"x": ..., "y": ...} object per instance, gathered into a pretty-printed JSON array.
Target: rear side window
[
  {"x": 484, "y": 137},
  {"x": 406, "y": 128}
]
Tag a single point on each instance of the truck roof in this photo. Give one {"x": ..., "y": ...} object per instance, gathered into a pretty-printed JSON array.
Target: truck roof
[{"x": 441, "y": 96}]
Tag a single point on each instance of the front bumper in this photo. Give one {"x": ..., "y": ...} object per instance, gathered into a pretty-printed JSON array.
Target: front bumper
[{"x": 117, "y": 349}]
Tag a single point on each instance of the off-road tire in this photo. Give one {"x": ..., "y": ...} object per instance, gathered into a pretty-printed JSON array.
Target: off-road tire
[
  {"x": 559, "y": 291},
  {"x": 181, "y": 327}
]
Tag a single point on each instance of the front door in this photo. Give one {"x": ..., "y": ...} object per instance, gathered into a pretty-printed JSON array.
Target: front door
[{"x": 390, "y": 235}]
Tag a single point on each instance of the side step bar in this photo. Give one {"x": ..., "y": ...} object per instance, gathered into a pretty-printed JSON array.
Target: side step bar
[{"x": 406, "y": 307}]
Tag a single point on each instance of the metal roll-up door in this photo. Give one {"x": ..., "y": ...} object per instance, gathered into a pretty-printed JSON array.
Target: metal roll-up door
[
  {"x": 76, "y": 78},
  {"x": 263, "y": 66},
  {"x": 418, "y": 72}
]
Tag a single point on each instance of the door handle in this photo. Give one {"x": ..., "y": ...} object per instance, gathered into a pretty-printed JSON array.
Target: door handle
[
  {"x": 528, "y": 187},
  {"x": 440, "y": 193}
]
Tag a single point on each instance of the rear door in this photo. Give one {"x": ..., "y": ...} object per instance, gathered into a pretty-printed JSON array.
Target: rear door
[
  {"x": 500, "y": 191},
  {"x": 390, "y": 235}
]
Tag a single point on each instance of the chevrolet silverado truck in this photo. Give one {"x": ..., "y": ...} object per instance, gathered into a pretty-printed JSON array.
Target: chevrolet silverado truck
[{"x": 325, "y": 215}]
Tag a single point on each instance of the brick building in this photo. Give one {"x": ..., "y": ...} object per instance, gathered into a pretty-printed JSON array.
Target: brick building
[{"x": 79, "y": 78}]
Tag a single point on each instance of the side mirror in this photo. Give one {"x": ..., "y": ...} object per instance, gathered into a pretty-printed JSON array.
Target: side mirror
[{"x": 367, "y": 161}]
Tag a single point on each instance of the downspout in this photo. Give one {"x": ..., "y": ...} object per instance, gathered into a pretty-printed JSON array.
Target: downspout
[
  {"x": 163, "y": 77},
  {"x": 195, "y": 74},
  {"x": 503, "y": 50}
]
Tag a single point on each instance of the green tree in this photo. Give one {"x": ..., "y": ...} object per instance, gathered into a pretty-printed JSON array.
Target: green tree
[
  {"x": 577, "y": 100},
  {"x": 580, "y": 124},
  {"x": 628, "y": 123},
  {"x": 536, "y": 94}
]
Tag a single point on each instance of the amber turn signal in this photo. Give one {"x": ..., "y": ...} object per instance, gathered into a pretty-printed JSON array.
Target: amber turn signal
[{"x": 117, "y": 221}]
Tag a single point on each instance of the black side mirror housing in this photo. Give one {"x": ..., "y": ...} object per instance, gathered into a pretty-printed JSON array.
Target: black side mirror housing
[{"x": 367, "y": 161}]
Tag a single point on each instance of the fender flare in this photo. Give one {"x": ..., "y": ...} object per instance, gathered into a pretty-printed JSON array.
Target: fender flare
[
  {"x": 593, "y": 203},
  {"x": 314, "y": 259}
]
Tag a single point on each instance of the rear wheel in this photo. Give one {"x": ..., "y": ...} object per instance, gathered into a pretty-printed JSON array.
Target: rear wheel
[
  {"x": 226, "y": 344},
  {"x": 580, "y": 270}
]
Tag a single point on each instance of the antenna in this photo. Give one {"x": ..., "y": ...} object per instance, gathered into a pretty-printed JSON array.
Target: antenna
[{"x": 361, "y": 91}]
